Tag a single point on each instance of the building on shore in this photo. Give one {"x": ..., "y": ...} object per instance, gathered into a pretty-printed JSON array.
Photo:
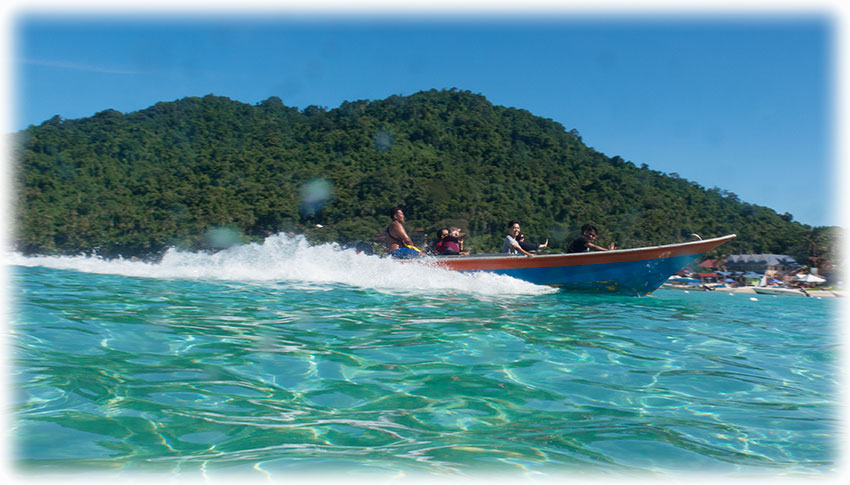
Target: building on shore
[{"x": 766, "y": 264}]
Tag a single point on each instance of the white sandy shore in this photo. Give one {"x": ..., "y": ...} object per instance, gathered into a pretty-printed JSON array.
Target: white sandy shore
[{"x": 813, "y": 293}]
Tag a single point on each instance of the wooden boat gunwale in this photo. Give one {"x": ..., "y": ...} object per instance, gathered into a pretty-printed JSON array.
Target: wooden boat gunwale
[{"x": 505, "y": 261}]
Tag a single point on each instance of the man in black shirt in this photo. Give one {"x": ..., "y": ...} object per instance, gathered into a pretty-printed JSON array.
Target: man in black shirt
[{"x": 584, "y": 243}]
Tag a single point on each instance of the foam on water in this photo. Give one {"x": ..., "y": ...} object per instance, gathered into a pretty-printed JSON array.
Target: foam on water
[{"x": 285, "y": 259}]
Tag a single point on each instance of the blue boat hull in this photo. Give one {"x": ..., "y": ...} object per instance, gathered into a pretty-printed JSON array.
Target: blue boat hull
[
  {"x": 629, "y": 271},
  {"x": 633, "y": 278}
]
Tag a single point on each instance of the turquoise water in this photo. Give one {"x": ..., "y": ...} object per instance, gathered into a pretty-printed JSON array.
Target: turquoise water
[{"x": 283, "y": 359}]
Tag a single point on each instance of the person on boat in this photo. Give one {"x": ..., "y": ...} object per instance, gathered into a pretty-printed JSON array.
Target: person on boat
[
  {"x": 529, "y": 246},
  {"x": 447, "y": 245},
  {"x": 451, "y": 242},
  {"x": 457, "y": 235},
  {"x": 400, "y": 245},
  {"x": 584, "y": 243},
  {"x": 510, "y": 245}
]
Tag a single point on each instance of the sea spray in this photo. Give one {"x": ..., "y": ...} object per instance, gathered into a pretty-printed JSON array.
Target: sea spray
[{"x": 292, "y": 259}]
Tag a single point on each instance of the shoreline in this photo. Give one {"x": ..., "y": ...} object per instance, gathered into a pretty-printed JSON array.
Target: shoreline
[{"x": 751, "y": 290}]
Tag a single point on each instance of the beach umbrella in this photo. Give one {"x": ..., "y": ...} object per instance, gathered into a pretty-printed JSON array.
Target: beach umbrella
[{"x": 810, "y": 278}]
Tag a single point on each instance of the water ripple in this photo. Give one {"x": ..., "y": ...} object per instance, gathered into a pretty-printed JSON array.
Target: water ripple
[{"x": 208, "y": 377}]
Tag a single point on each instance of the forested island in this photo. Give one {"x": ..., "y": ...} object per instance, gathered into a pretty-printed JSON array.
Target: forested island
[{"x": 136, "y": 184}]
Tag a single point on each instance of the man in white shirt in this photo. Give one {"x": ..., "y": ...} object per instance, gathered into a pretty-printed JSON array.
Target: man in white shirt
[{"x": 511, "y": 246}]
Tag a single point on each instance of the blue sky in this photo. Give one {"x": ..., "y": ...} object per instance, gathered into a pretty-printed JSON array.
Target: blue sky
[{"x": 739, "y": 102}]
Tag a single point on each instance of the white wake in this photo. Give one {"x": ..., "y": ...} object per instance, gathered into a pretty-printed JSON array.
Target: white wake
[{"x": 284, "y": 259}]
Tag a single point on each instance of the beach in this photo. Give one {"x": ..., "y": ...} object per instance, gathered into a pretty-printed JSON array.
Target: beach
[{"x": 812, "y": 293}]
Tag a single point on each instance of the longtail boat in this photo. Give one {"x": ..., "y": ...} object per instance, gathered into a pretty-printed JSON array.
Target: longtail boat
[{"x": 637, "y": 272}]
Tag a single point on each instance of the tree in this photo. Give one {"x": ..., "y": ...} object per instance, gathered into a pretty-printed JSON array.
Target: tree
[{"x": 137, "y": 183}]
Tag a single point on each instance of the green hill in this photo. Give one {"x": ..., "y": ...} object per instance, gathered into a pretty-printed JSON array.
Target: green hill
[{"x": 135, "y": 184}]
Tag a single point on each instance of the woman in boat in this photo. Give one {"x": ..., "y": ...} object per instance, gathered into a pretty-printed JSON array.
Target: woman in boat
[
  {"x": 400, "y": 245},
  {"x": 584, "y": 243},
  {"x": 458, "y": 236},
  {"x": 510, "y": 245},
  {"x": 529, "y": 246}
]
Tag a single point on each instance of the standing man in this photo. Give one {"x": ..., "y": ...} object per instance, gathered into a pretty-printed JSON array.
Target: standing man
[{"x": 399, "y": 243}]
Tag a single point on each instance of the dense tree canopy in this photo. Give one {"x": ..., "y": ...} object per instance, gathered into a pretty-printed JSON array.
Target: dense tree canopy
[{"x": 135, "y": 184}]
